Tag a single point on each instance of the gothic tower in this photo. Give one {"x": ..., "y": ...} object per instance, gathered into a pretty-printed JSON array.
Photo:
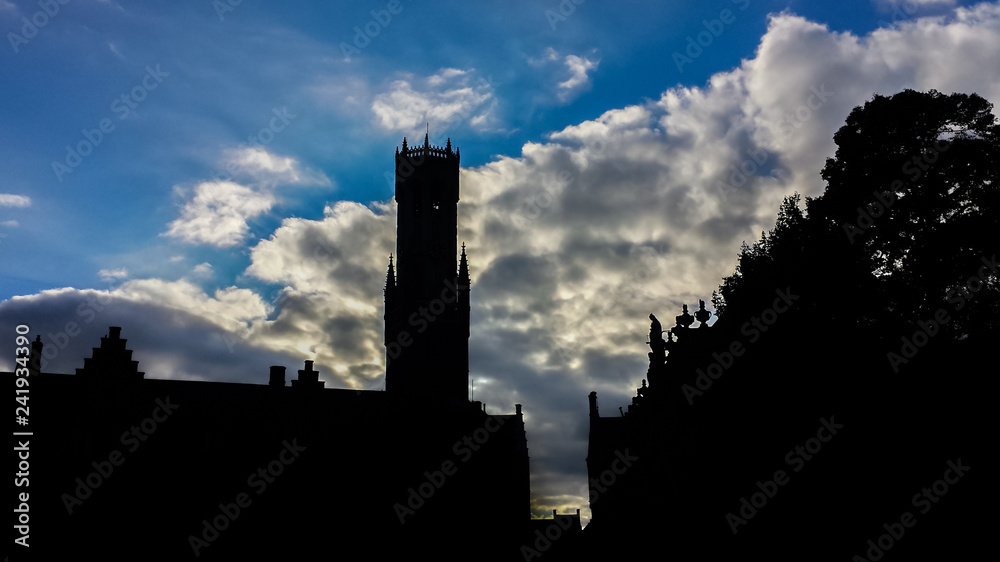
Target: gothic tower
[{"x": 426, "y": 292}]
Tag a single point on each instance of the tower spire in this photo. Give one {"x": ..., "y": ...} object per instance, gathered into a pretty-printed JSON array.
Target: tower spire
[
  {"x": 390, "y": 278},
  {"x": 463, "y": 269}
]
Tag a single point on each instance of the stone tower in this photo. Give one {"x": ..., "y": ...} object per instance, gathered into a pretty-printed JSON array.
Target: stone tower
[{"x": 427, "y": 285}]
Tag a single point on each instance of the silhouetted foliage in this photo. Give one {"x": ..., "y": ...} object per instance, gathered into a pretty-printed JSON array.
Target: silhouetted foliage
[
  {"x": 908, "y": 215},
  {"x": 849, "y": 309}
]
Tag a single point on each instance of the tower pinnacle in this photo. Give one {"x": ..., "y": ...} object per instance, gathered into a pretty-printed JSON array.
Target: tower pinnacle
[
  {"x": 390, "y": 278},
  {"x": 463, "y": 270}
]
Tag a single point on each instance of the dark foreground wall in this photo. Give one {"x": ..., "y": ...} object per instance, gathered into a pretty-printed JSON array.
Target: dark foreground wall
[{"x": 176, "y": 470}]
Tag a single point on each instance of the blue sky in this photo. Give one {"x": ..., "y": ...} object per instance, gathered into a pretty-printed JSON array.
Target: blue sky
[{"x": 600, "y": 145}]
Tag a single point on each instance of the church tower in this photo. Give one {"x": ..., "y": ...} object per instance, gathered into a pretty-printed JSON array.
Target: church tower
[{"x": 426, "y": 291}]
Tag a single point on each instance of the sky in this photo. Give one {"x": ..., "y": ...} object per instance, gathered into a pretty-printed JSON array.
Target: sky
[{"x": 215, "y": 176}]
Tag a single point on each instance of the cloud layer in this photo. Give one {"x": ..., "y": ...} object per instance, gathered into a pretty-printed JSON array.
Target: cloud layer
[{"x": 572, "y": 243}]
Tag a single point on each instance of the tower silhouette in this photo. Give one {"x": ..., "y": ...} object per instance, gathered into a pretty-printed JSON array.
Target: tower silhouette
[{"x": 426, "y": 293}]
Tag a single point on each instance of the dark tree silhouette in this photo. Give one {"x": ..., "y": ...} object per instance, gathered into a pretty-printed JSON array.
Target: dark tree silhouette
[
  {"x": 874, "y": 305},
  {"x": 909, "y": 214}
]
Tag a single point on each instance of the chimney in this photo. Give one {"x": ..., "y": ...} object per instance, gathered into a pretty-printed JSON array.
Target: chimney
[
  {"x": 114, "y": 332},
  {"x": 277, "y": 376},
  {"x": 593, "y": 404},
  {"x": 308, "y": 378},
  {"x": 517, "y": 408}
]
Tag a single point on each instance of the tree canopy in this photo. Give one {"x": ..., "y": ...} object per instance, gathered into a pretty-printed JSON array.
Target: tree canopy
[{"x": 907, "y": 224}]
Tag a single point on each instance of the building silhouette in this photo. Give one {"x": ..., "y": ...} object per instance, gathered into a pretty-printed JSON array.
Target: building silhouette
[
  {"x": 792, "y": 442},
  {"x": 126, "y": 467}
]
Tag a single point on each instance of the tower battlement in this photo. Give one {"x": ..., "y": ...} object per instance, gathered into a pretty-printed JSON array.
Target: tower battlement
[{"x": 427, "y": 150}]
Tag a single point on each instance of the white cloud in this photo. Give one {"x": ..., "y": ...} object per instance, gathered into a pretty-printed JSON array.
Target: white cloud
[
  {"x": 550, "y": 55},
  {"x": 203, "y": 269},
  {"x": 10, "y": 223},
  {"x": 444, "y": 75},
  {"x": 574, "y": 77},
  {"x": 110, "y": 275},
  {"x": 12, "y": 200},
  {"x": 578, "y": 80},
  {"x": 328, "y": 308},
  {"x": 255, "y": 165},
  {"x": 233, "y": 307},
  {"x": 443, "y": 100},
  {"x": 218, "y": 212}
]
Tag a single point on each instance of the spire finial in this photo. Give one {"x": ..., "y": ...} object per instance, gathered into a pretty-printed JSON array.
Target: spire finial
[
  {"x": 463, "y": 269},
  {"x": 427, "y": 136},
  {"x": 390, "y": 278}
]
